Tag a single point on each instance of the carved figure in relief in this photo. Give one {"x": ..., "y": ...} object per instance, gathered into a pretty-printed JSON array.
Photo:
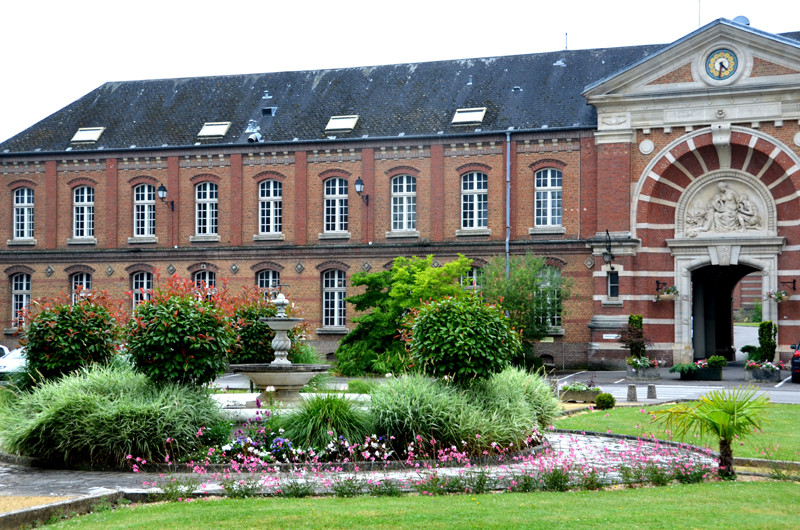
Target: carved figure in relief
[{"x": 726, "y": 211}]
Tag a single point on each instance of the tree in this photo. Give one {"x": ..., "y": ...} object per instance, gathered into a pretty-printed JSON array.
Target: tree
[
  {"x": 374, "y": 345},
  {"x": 533, "y": 294},
  {"x": 725, "y": 414},
  {"x": 632, "y": 337}
]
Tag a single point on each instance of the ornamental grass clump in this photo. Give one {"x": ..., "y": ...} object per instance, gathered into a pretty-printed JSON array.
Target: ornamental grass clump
[
  {"x": 322, "y": 417},
  {"x": 99, "y": 415}
]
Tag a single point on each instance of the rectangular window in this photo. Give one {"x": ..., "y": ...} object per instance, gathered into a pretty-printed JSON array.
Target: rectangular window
[
  {"x": 23, "y": 213},
  {"x": 216, "y": 129},
  {"x": 206, "y": 212},
  {"x": 270, "y": 207},
  {"x": 548, "y": 197},
  {"x": 336, "y": 205},
  {"x": 474, "y": 201},
  {"x": 20, "y": 297},
  {"x": 337, "y": 124},
  {"x": 613, "y": 284},
  {"x": 144, "y": 210},
  {"x": 334, "y": 290},
  {"x": 404, "y": 203},
  {"x": 472, "y": 116},
  {"x": 83, "y": 213}
]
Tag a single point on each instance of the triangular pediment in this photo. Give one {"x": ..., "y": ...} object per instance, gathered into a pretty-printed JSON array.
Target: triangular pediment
[{"x": 724, "y": 71}]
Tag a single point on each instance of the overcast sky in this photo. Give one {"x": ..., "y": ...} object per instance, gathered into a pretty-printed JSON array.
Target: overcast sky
[{"x": 54, "y": 52}]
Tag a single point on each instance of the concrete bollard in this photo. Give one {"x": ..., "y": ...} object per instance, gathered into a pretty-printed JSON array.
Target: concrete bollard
[
  {"x": 651, "y": 392},
  {"x": 632, "y": 393}
]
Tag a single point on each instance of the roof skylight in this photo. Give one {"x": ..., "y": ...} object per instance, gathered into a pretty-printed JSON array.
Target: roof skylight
[
  {"x": 88, "y": 134},
  {"x": 213, "y": 129},
  {"x": 341, "y": 123},
  {"x": 469, "y": 116}
]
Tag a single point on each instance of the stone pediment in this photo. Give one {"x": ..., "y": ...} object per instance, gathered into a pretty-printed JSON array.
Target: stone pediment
[{"x": 724, "y": 71}]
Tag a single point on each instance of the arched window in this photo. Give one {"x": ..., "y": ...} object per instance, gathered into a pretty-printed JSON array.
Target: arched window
[
  {"x": 206, "y": 209},
  {"x": 549, "y": 297},
  {"x": 334, "y": 290},
  {"x": 141, "y": 286},
  {"x": 470, "y": 279},
  {"x": 83, "y": 212},
  {"x": 205, "y": 278},
  {"x": 404, "y": 203},
  {"x": 548, "y": 197},
  {"x": 20, "y": 297},
  {"x": 80, "y": 285},
  {"x": 23, "y": 213},
  {"x": 336, "y": 205},
  {"x": 474, "y": 200},
  {"x": 270, "y": 207},
  {"x": 144, "y": 210},
  {"x": 268, "y": 279}
]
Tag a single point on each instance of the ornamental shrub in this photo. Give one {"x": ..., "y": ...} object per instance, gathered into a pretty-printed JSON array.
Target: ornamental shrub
[
  {"x": 62, "y": 336},
  {"x": 461, "y": 338},
  {"x": 767, "y": 332},
  {"x": 604, "y": 401},
  {"x": 309, "y": 425},
  {"x": 181, "y": 335},
  {"x": 632, "y": 337}
]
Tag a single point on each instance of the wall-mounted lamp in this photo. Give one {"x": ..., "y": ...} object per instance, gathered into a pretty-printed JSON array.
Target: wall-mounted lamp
[
  {"x": 162, "y": 194},
  {"x": 359, "y": 185},
  {"x": 793, "y": 283},
  {"x": 660, "y": 285},
  {"x": 608, "y": 256}
]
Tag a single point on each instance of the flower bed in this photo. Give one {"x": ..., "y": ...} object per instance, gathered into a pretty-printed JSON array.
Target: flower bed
[{"x": 762, "y": 372}]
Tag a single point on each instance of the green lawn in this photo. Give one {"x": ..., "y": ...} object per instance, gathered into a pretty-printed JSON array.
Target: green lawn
[
  {"x": 779, "y": 440},
  {"x": 712, "y": 505}
]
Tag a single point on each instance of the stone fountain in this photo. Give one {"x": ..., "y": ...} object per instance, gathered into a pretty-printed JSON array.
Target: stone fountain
[{"x": 280, "y": 380}]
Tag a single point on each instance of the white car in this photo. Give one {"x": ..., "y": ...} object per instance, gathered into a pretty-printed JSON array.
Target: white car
[{"x": 13, "y": 361}]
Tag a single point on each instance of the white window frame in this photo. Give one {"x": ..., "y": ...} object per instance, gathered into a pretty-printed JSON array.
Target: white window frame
[
  {"x": 23, "y": 213},
  {"x": 83, "y": 212},
  {"x": 474, "y": 201},
  {"x": 334, "y": 292},
  {"x": 548, "y": 210},
  {"x": 144, "y": 210},
  {"x": 82, "y": 279},
  {"x": 141, "y": 287},
  {"x": 612, "y": 284},
  {"x": 549, "y": 297},
  {"x": 205, "y": 277},
  {"x": 270, "y": 207},
  {"x": 470, "y": 279},
  {"x": 206, "y": 209},
  {"x": 404, "y": 203},
  {"x": 20, "y": 297},
  {"x": 336, "y": 205},
  {"x": 268, "y": 279}
]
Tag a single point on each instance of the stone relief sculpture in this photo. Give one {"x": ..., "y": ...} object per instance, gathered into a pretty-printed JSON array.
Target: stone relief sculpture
[{"x": 726, "y": 211}]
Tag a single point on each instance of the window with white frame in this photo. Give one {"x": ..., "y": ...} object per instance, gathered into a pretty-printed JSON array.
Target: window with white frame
[
  {"x": 83, "y": 212},
  {"x": 474, "y": 200},
  {"x": 20, "y": 297},
  {"x": 80, "y": 285},
  {"x": 141, "y": 287},
  {"x": 549, "y": 297},
  {"x": 612, "y": 284},
  {"x": 548, "y": 197},
  {"x": 336, "y": 205},
  {"x": 144, "y": 210},
  {"x": 334, "y": 290},
  {"x": 206, "y": 209},
  {"x": 23, "y": 213},
  {"x": 404, "y": 203},
  {"x": 470, "y": 279},
  {"x": 270, "y": 206},
  {"x": 205, "y": 279},
  {"x": 268, "y": 279}
]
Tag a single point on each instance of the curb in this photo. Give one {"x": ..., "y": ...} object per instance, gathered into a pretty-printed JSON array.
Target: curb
[{"x": 42, "y": 514}]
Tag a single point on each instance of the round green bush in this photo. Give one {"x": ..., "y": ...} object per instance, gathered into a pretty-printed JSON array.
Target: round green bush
[
  {"x": 462, "y": 338},
  {"x": 65, "y": 336},
  {"x": 604, "y": 401},
  {"x": 309, "y": 425},
  {"x": 99, "y": 415},
  {"x": 180, "y": 339}
]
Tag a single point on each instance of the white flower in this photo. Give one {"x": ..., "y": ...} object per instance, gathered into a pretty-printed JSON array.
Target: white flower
[{"x": 269, "y": 389}]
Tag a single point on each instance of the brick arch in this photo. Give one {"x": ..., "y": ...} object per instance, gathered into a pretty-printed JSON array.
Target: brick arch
[
  {"x": 142, "y": 179},
  {"x": 552, "y": 261},
  {"x": 265, "y": 265},
  {"x": 327, "y": 265},
  {"x": 473, "y": 166},
  {"x": 139, "y": 267},
  {"x": 547, "y": 163},
  {"x": 479, "y": 263},
  {"x": 18, "y": 269},
  {"x": 402, "y": 170},
  {"x": 338, "y": 173},
  {"x": 205, "y": 177},
  {"x": 203, "y": 266},
  {"x": 264, "y": 175},
  {"x": 22, "y": 183},
  {"x": 81, "y": 181},
  {"x": 74, "y": 269}
]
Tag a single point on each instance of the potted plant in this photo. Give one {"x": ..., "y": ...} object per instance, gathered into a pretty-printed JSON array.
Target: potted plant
[
  {"x": 668, "y": 293},
  {"x": 762, "y": 372},
  {"x": 639, "y": 366},
  {"x": 777, "y": 296},
  {"x": 710, "y": 369},
  {"x": 579, "y": 392},
  {"x": 687, "y": 371}
]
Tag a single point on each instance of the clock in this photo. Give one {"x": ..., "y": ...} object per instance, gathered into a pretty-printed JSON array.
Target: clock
[{"x": 721, "y": 64}]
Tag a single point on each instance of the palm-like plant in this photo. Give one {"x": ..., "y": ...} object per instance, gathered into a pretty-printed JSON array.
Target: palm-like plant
[{"x": 724, "y": 414}]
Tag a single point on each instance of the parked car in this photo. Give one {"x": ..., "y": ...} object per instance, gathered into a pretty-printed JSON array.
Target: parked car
[
  {"x": 795, "y": 367},
  {"x": 12, "y": 361}
]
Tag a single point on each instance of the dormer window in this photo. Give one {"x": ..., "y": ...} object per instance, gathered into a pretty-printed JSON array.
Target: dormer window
[
  {"x": 214, "y": 129},
  {"x": 341, "y": 124},
  {"x": 472, "y": 116},
  {"x": 87, "y": 134}
]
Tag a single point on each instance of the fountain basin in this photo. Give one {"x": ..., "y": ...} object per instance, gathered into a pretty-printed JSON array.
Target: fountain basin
[{"x": 286, "y": 379}]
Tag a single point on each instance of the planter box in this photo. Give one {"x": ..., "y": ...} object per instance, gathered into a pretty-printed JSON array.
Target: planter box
[
  {"x": 587, "y": 396},
  {"x": 703, "y": 374},
  {"x": 649, "y": 373},
  {"x": 666, "y": 297},
  {"x": 761, "y": 375}
]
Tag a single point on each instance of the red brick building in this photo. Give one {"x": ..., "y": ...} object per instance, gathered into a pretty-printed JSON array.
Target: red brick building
[{"x": 628, "y": 168}]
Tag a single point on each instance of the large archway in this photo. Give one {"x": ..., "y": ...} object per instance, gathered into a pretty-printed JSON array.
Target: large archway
[{"x": 712, "y": 309}]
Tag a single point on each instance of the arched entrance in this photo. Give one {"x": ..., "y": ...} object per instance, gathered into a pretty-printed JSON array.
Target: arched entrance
[{"x": 712, "y": 309}]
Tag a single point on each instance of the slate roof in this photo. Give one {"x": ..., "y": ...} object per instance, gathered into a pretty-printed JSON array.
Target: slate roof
[{"x": 391, "y": 100}]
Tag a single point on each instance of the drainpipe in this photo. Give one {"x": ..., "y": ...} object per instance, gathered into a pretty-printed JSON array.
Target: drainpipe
[{"x": 508, "y": 198}]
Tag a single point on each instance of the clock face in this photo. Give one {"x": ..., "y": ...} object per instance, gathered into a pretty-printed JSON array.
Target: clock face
[{"x": 721, "y": 64}]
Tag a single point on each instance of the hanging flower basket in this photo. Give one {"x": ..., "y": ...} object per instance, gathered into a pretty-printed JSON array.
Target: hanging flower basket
[
  {"x": 777, "y": 296},
  {"x": 667, "y": 294}
]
